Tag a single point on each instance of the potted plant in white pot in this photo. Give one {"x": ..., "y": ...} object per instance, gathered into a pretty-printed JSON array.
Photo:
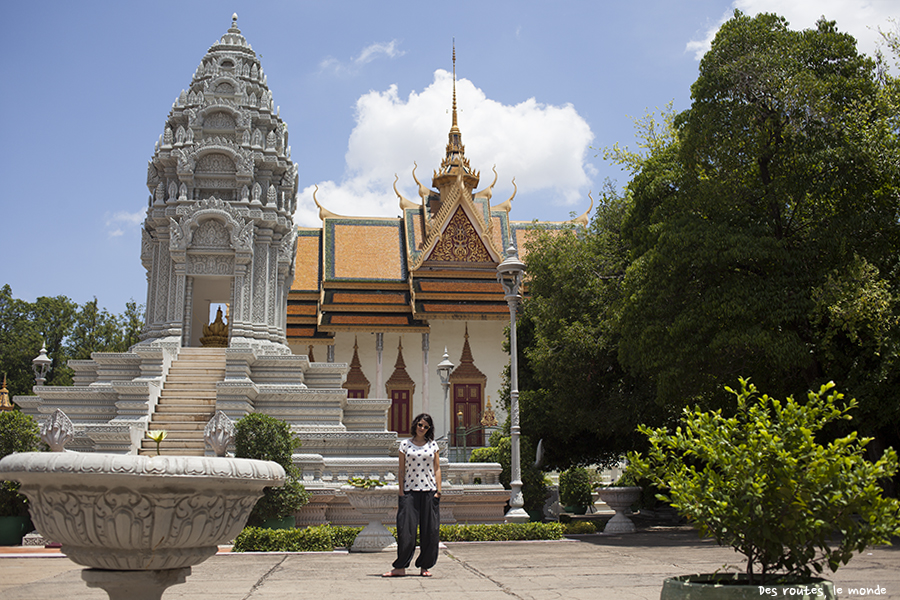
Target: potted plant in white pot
[
  {"x": 620, "y": 496},
  {"x": 763, "y": 484},
  {"x": 18, "y": 433},
  {"x": 376, "y": 502}
]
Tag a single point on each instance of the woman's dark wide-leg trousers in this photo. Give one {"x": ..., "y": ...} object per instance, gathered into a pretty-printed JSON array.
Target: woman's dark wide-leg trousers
[{"x": 423, "y": 511}]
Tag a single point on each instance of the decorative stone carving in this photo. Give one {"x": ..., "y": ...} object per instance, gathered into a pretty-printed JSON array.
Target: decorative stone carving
[
  {"x": 211, "y": 234},
  {"x": 127, "y": 512},
  {"x": 620, "y": 500},
  {"x": 219, "y": 433},
  {"x": 57, "y": 431},
  {"x": 376, "y": 505},
  {"x": 209, "y": 264}
]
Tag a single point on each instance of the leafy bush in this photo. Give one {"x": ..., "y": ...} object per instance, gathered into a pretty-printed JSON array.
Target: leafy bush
[
  {"x": 579, "y": 527},
  {"x": 18, "y": 433},
  {"x": 309, "y": 539},
  {"x": 342, "y": 536},
  {"x": 264, "y": 437},
  {"x": 534, "y": 486},
  {"x": 761, "y": 483},
  {"x": 575, "y": 487}
]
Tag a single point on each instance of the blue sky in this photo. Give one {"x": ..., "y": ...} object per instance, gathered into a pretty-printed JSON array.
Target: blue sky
[{"x": 365, "y": 90}]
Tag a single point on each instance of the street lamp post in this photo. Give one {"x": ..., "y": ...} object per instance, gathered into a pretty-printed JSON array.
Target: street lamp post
[
  {"x": 444, "y": 369},
  {"x": 510, "y": 274},
  {"x": 41, "y": 364}
]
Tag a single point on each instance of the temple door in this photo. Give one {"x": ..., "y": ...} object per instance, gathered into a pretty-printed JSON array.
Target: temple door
[
  {"x": 467, "y": 400},
  {"x": 398, "y": 416}
]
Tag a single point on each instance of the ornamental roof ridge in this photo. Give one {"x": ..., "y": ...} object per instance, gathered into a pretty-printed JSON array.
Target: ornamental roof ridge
[{"x": 459, "y": 197}]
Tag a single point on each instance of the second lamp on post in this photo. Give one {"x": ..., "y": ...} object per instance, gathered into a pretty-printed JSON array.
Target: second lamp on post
[
  {"x": 510, "y": 274},
  {"x": 444, "y": 369}
]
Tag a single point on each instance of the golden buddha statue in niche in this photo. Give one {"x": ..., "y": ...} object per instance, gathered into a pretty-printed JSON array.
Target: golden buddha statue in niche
[{"x": 215, "y": 335}]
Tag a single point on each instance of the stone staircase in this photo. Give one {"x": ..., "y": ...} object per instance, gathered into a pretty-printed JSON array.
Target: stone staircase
[{"x": 187, "y": 402}]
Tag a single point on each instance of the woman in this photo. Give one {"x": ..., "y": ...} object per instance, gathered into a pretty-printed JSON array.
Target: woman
[{"x": 418, "y": 505}]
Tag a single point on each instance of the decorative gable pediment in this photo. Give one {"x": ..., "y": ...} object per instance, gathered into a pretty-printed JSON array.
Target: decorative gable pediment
[{"x": 460, "y": 242}]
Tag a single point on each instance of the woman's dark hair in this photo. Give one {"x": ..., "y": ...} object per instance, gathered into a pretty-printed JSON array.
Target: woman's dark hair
[{"x": 429, "y": 435}]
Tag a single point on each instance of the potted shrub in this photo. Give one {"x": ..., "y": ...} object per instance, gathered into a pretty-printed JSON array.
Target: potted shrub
[
  {"x": 575, "y": 490},
  {"x": 620, "y": 497},
  {"x": 264, "y": 437},
  {"x": 18, "y": 433},
  {"x": 762, "y": 483}
]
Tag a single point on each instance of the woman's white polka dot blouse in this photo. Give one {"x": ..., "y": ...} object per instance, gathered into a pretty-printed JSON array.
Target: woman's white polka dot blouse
[{"x": 419, "y": 474}]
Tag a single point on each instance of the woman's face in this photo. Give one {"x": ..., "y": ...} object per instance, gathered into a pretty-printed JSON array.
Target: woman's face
[{"x": 421, "y": 427}]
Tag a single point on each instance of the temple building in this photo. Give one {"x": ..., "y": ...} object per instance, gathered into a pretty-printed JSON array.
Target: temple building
[{"x": 376, "y": 292}]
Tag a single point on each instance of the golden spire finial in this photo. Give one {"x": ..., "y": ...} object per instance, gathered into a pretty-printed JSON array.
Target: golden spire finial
[
  {"x": 454, "y": 127},
  {"x": 455, "y": 157}
]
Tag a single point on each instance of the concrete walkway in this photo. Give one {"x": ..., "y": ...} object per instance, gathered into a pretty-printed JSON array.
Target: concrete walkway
[{"x": 589, "y": 567}]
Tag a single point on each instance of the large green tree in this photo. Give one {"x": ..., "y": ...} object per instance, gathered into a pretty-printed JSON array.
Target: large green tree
[
  {"x": 764, "y": 237},
  {"x": 575, "y": 396},
  {"x": 757, "y": 237},
  {"x": 67, "y": 330}
]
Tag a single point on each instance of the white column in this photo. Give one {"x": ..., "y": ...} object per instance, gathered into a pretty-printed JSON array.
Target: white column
[{"x": 425, "y": 393}]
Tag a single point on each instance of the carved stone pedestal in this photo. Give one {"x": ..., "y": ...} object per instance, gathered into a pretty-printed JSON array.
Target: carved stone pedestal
[
  {"x": 134, "y": 585},
  {"x": 376, "y": 505}
]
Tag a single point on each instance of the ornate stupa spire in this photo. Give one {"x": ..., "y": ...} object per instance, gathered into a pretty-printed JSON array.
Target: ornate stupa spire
[
  {"x": 455, "y": 158},
  {"x": 223, "y": 191}
]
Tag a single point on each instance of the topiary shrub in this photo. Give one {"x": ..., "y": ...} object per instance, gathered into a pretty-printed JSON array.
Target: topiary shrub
[
  {"x": 264, "y": 437},
  {"x": 18, "y": 433},
  {"x": 763, "y": 484},
  {"x": 575, "y": 487}
]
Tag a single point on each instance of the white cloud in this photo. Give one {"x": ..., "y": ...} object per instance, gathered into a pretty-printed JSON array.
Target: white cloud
[
  {"x": 119, "y": 222},
  {"x": 368, "y": 54},
  {"x": 860, "y": 18},
  {"x": 544, "y": 147}
]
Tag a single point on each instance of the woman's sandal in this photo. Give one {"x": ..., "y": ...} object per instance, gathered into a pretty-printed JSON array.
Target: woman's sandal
[
  {"x": 425, "y": 573},
  {"x": 394, "y": 574}
]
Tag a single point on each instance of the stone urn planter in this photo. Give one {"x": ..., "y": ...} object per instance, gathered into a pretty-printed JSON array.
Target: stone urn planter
[
  {"x": 139, "y": 522},
  {"x": 620, "y": 500},
  {"x": 376, "y": 505},
  {"x": 734, "y": 586}
]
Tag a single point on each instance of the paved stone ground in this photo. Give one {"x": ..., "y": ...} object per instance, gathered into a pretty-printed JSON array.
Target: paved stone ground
[{"x": 589, "y": 567}]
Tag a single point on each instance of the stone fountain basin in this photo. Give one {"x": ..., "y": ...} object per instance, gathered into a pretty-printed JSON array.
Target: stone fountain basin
[{"x": 129, "y": 512}]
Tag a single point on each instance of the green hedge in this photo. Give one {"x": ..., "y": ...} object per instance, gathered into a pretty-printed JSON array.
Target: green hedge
[
  {"x": 579, "y": 527},
  {"x": 324, "y": 538},
  {"x": 501, "y": 533}
]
